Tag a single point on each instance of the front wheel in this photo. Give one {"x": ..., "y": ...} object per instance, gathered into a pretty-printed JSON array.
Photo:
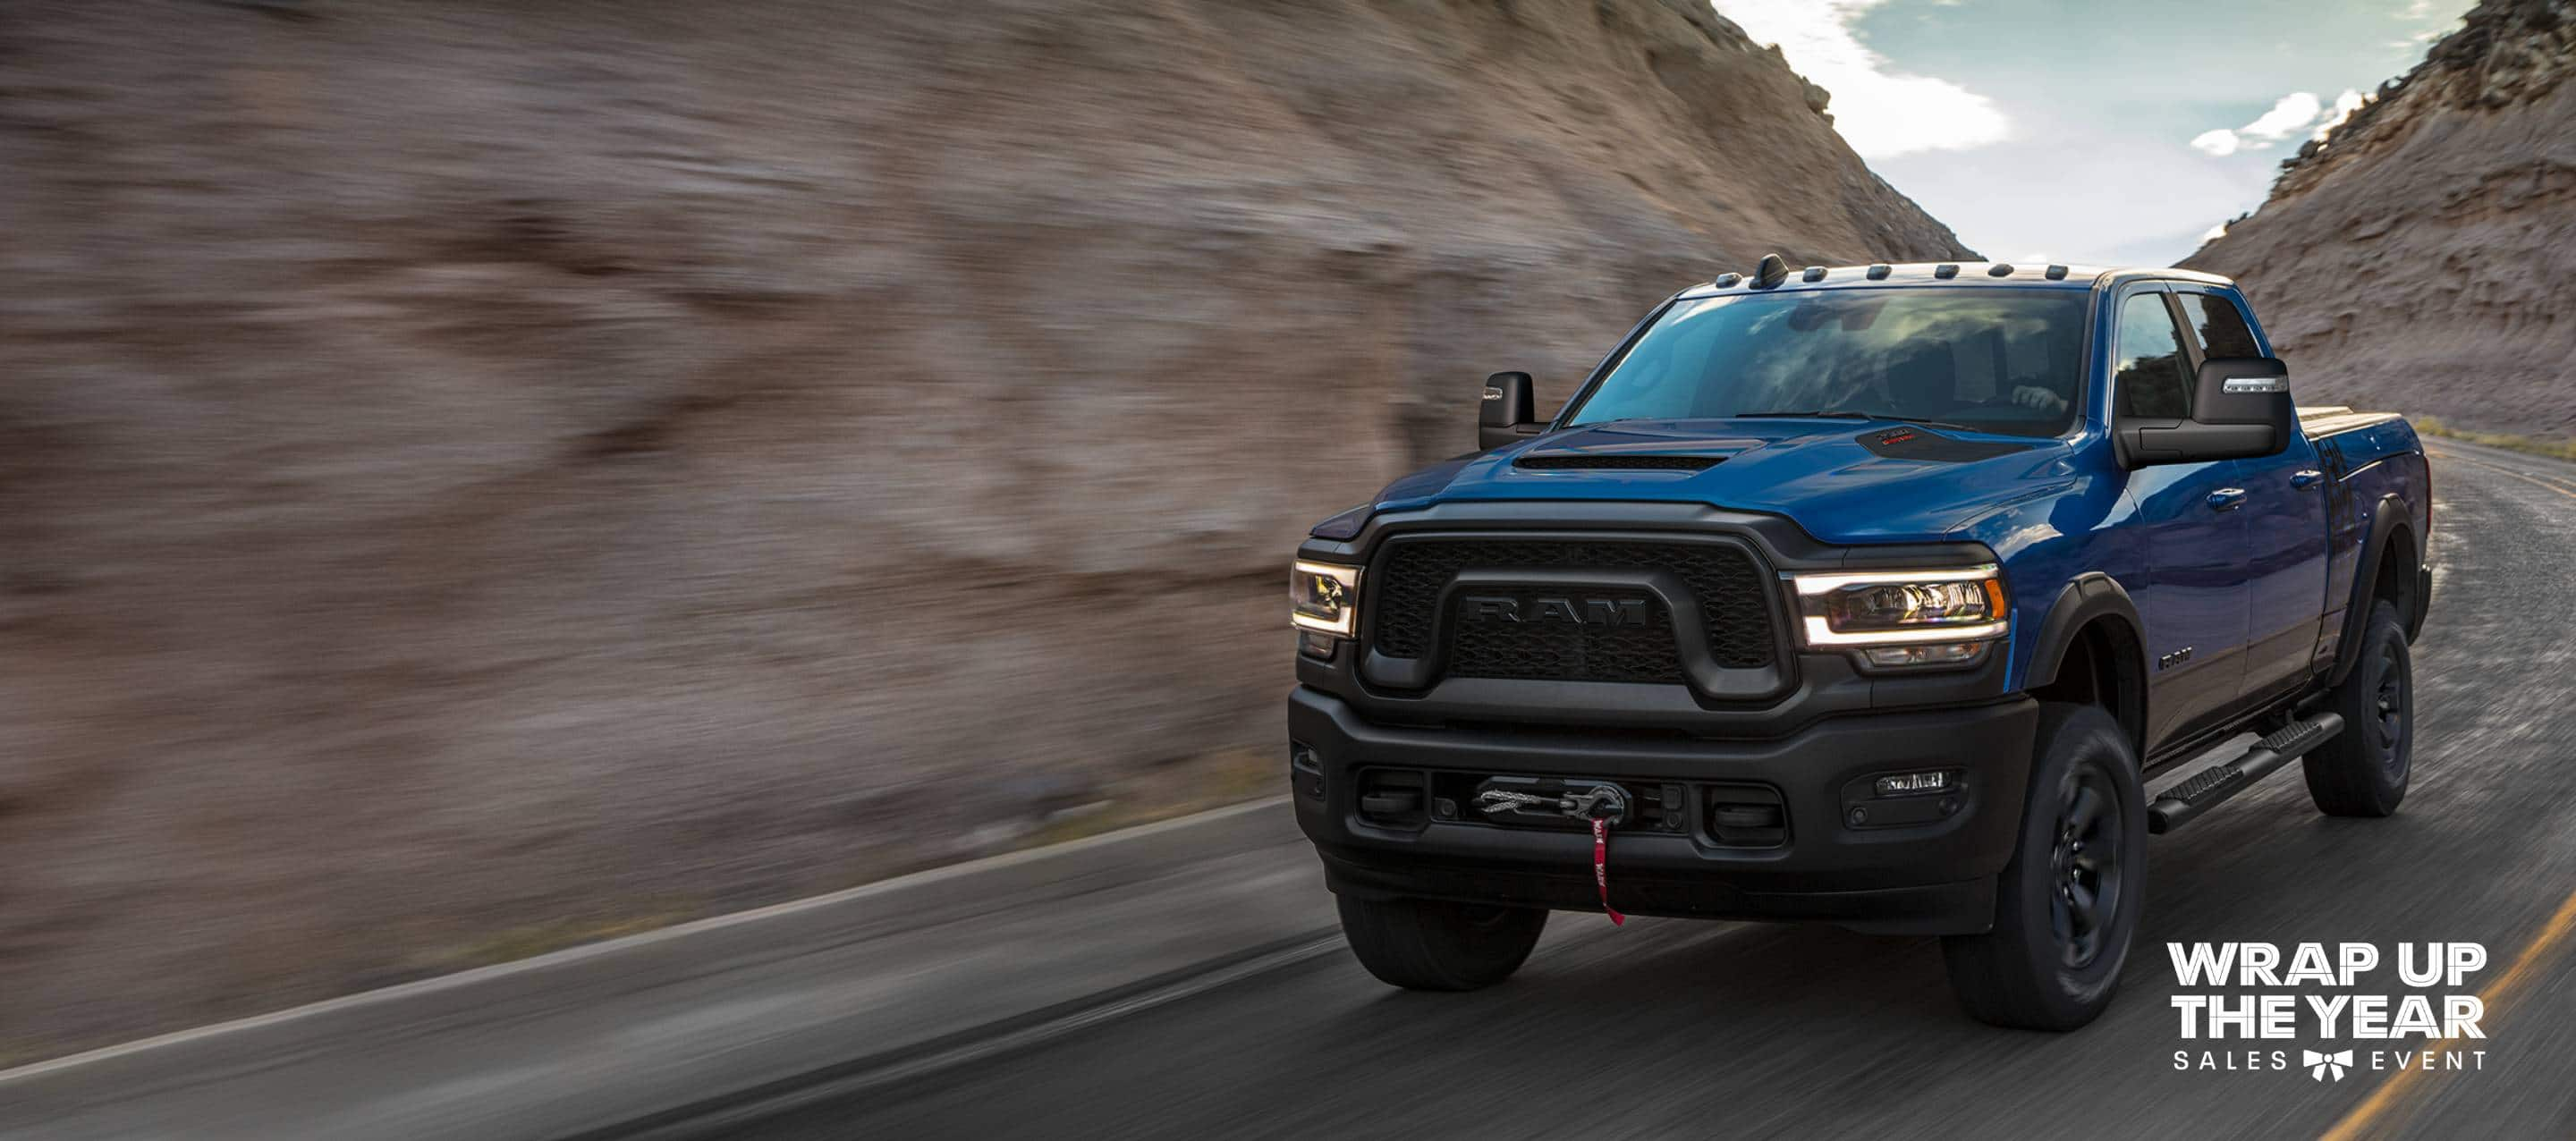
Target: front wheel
[
  {"x": 1428, "y": 944},
  {"x": 2067, "y": 904}
]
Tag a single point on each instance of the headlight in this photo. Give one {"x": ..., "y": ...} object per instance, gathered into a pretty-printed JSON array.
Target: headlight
[
  {"x": 1324, "y": 597},
  {"x": 1902, "y": 608}
]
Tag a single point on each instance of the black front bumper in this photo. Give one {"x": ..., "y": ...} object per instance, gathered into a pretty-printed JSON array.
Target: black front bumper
[{"x": 1932, "y": 872}]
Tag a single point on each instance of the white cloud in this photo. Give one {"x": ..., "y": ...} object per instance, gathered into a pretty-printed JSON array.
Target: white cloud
[
  {"x": 2287, "y": 117},
  {"x": 1880, "y": 112},
  {"x": 2292, "y": 113},
  {"x": 2443, "y": 18},
  {"x": 2344, "y": 105}
]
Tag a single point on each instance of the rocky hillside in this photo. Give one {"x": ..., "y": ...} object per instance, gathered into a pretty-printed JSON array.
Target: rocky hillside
[
  {"x": 2423, "y": 257},
  {"x": 477, "y": 475}
]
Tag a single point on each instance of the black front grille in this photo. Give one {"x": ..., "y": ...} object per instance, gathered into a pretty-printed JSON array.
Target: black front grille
[
  {"x": 1624, "y": 641},
  {"x": 1630, "y": 639}
]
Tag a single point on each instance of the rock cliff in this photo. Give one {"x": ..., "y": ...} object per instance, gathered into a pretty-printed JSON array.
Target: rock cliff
[
  {"x": 476, "y": 475},
  {"x": 2422, "y": 258}
]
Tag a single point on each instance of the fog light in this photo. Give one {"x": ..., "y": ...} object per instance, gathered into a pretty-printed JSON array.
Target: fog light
[
  {"x": 1911, "y": 784},
  {"x": 1932, "y": 654},
  {"x": 1314, "y": 645}
]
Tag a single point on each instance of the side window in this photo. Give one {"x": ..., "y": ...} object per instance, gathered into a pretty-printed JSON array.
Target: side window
[
  {"x": 2223, "y": 332},
  {"x": 2149, "y": 371}
]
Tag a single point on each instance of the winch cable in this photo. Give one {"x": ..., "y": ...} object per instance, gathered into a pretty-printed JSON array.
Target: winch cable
[{"x": 1601, "y": 804}]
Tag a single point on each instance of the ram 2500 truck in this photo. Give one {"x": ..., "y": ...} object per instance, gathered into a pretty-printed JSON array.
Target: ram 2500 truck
[{"x": 1867, "y": 595}]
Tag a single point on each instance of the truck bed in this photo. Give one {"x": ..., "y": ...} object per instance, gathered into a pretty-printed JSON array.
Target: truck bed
[
  {"x": 2374, "y": 456},
  {"x": 2335, "y": 419}
]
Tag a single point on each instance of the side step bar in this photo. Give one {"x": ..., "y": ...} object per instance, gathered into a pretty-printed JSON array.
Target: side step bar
[{"x": 2212, "y": 786}]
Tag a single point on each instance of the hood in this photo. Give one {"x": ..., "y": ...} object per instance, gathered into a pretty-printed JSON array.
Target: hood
[{"x": 1844, "y": 481}]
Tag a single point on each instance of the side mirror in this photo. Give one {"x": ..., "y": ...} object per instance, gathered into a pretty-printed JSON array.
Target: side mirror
[
  {"x": 1504, "y": 414},
  {"x": 2241, "y": 410}
]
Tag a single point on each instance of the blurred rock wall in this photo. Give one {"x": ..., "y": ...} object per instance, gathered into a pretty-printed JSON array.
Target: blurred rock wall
[
  {"x": 2422, "y": 258},
  {"x": 477, "y": 474}
]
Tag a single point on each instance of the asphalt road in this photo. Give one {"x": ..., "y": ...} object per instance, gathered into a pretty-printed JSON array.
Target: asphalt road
[{"x": 1672, "y": 1028}]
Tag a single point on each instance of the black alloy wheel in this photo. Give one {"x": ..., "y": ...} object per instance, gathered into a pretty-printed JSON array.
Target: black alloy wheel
[
  {"x": 2067, "y": 903},
  {"x": 2364, "y": 770},
  {"x": 2394, "y": 703},
  {"x": 2086, "y": 866}
]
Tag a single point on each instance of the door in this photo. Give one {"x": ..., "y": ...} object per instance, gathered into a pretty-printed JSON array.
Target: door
[
  {"x": 2193, "y": 529},
  {"x": 2285, "y": 517}
]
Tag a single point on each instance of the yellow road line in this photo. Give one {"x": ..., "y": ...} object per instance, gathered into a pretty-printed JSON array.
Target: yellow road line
[
  {"x": 2524, "y": 967},
  {"x": 2382, "y": 1101},
  {"x": 2453, "y": 457}
]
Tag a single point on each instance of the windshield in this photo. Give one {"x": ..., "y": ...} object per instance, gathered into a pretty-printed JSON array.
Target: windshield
[{"x": 1995, "y": 359}]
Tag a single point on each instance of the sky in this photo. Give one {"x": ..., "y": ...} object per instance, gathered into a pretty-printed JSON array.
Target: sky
[{"x": 2099, "y": 132}]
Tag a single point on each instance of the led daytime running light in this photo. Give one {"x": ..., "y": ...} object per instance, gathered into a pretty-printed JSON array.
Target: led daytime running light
[
  {"x": 1324, "y": 597},
  {"x": 1923, "y": 618}
]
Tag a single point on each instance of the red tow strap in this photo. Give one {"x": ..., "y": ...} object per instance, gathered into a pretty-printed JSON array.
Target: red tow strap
[{"x": 1601, "y": 867}]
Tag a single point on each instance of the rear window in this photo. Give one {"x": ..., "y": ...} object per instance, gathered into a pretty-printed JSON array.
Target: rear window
[
  {"x": 2222, "y": 330},
  {"x": 1993, "y": 358}
]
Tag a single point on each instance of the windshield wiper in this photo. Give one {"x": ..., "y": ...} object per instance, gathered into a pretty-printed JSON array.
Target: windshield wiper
[{"x": 1847, "y": 414}]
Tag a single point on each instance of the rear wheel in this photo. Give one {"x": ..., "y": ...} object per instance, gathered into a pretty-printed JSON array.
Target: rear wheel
[
  {"x": 2363, "y": 771},
  {"x": 1425, "y": 944},
  {"x": 2067, "y": 904}
]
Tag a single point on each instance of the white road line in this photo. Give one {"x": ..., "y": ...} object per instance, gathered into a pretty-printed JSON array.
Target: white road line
[
  {"x": 625, "y": 943},
  {"x": 688, "y": 1124}
]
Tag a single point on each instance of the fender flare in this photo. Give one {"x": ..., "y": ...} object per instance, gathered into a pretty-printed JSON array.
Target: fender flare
[
  {"x": 2091, "y": 595},
  {"x": 2387, "y": 518}
]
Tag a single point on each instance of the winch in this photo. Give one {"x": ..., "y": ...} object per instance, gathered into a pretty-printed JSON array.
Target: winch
[{"x": 1598, "y": 802}]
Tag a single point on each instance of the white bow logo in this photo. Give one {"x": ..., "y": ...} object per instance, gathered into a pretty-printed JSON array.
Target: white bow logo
[{"x": 2318, "y": 1064}]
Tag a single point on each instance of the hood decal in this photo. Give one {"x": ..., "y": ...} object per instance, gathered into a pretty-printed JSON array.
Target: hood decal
[{"x": 1912, "y": 443}]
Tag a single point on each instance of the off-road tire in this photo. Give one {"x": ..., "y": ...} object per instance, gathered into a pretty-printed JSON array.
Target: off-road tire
[
  {"x": 2050, "y": 962},
  {"x": 1425, "y": 944},
  {"x": 2364, "y": 769}
]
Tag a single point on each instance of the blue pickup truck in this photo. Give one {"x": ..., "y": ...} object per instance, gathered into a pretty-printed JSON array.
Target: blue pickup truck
[{"x": 1868, "y": 595}]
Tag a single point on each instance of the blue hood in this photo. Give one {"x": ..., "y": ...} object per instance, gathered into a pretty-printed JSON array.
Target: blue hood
[{"x": 1816, "y": 472}]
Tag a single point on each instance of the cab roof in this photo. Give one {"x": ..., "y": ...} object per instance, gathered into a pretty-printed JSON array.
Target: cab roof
[{"x": 1885, "y": 274}]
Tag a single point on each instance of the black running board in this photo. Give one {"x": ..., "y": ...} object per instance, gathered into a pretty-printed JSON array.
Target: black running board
[{"x": 2211, "y": 786}]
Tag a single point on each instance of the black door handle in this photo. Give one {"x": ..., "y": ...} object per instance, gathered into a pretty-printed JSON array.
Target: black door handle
[{"x": 2301, "y": 481}]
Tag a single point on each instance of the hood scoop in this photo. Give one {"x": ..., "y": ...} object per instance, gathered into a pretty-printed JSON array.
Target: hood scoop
[{"x": 1615, "y": 461}]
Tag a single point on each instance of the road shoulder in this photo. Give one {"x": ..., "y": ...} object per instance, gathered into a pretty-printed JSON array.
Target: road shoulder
[{"x": 640, "y": 1025}]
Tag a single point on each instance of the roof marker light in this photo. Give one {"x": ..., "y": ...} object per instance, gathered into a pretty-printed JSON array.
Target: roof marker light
[
  {"x": 1945, "y": 271},
  {"x": 1727, "y": 280},
  {"x": 1999, "y": 269},
  {"x": 1813, "y": 273},
  {"x": 1878, "y": 271},
  {"x": 2057, "y": 273}
]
